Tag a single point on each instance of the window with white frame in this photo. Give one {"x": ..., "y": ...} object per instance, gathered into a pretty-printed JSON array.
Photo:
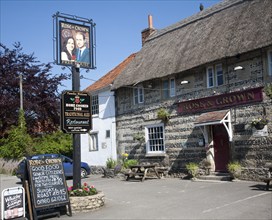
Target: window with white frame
[
  {"x": 95, "y": 105},
  {"x": 270, "y": 63},
  {"x": 215, "y": 76},
  {"x": 93, "y": 141},
  {"x": 168, "y": 88},
  {"x": 138, "y": 94},
  {"x": 155, "y": 138}
]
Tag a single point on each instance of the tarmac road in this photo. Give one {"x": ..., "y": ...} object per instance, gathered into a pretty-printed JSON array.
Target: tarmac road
[{"x": 170, "y": 198}]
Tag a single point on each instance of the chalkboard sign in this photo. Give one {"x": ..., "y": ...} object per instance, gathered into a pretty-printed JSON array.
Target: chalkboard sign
[
  {"x": 47, "y": 183},
  {"x": 13, "y": 203}
]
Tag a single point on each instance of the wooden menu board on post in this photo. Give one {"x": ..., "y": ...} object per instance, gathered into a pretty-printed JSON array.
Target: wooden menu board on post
[{"x": 48, "y": 186}]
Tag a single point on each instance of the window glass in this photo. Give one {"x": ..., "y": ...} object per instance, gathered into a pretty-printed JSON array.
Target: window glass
[
  {"x": 95, "y": 105},
  {"x": 107, "y": 133},
  {"x": 172, "y": 87},
  {"x": 270, "y": 63},
  {"x": 138, "y": 94},
  {"x": 165, "y": 89},
  {"x": 93, "y": 142},
  {"x": 141, "y": 94},
  {"x": 219, "y": 75},
  {"x": 210, "y": 77},
  {"x": 155, "y": 142}
]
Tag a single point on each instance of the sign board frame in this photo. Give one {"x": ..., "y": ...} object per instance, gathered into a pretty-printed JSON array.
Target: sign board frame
[
  {"x": 13, "y": 203},
  {"x": 65, "y": 32},
  {"x": 47, "y": 183},
  {"x": 76, "y": 115}
]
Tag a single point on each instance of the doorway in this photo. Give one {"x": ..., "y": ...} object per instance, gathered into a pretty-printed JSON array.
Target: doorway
[{"x": 221, "y": 148}]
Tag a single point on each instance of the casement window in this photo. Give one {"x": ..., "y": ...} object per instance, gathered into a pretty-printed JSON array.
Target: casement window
[
  {"x": 95, "y": 105},
  {"x": 215, "y": 76},
  {"x": 93, "y": 141},
  {"x": 168, "y": 88},
  {"x": 270, "y": 63},
  {"x": 155, "y": 138},
  {"x": 138, "y": 94},
  {"x": 107, "y": 133}
]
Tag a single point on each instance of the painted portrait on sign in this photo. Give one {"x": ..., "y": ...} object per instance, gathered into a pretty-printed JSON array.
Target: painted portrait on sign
[{"x": 74, "y": 44}]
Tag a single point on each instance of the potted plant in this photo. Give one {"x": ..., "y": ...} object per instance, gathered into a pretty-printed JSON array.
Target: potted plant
[
  {"x": 163, "y": 114},
  {"x": 234, "y": 169},
  {"x": 207, "y": 166},
  {"x": 192, "y": 169},
  {"x": 259, "y": 123}
]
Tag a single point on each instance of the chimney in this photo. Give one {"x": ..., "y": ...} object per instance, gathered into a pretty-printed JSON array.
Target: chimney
[{"x": 148, "y": 31}]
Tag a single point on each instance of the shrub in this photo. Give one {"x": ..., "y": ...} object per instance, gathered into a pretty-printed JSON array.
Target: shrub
[
  {"x": 128, "y": 163},
  {"x": 192, "y": 169},
  {"x": 234, "y": 169},
  {"x": 111, "y": 163},
  {"x": 163, "y": 114}
]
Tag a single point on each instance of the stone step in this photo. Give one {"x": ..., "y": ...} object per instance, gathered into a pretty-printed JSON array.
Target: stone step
[{"x": 219, "y": 176}]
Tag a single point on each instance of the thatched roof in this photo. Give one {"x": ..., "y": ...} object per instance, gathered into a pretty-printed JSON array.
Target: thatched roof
[{"x": 224, "y": 30}]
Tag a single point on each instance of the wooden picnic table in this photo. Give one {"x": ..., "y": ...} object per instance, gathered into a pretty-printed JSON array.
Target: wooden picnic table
[{"x": 141, "y": 171}]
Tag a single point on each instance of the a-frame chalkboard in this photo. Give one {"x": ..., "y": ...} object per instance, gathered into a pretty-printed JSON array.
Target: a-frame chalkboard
[{"x": 48, "y": 188}]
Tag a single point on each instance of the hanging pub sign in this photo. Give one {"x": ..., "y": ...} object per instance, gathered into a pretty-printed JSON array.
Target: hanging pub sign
[
  {"x": 74, "y": 41},
  {"x": 76, "y": 112}
]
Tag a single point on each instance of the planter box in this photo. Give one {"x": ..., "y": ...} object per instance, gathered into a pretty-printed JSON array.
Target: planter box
[{"x": 87, "y": 203}]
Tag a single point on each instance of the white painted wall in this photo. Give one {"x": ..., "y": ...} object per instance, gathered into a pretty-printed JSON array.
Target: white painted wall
[{"x": 102, "y": 122}]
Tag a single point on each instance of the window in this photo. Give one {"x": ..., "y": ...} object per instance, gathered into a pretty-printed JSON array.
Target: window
[
  {"x": 95, "y": 105},
  {"x": 215, "y": 76},
  {"x": 93, "y": 141},
  {"x": 107, "y": 133},
  {"x": 138, "y": 95},
  {"x": 270, "y": 63},
  {"x": 155, "y": 139},
  {"x": 168, "y": 88}
]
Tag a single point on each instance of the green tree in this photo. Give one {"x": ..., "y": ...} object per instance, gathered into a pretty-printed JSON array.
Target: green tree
[
  {"x": 18, "y": 143},
  {"x": 56, "y": 142}
]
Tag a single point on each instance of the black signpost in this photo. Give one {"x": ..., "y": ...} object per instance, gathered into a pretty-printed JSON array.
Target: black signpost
[
  {"x": 48, "y": 188},
  {"x": 76, "y": 105}
]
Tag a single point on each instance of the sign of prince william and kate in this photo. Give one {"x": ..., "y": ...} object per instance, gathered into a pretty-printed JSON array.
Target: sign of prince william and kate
[{"x": 75, "y": 44}]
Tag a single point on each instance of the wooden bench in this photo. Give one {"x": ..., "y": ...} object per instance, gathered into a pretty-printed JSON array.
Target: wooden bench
[
  {"x": 140, "y": 172},
  {"x": 134, "y": 175}
]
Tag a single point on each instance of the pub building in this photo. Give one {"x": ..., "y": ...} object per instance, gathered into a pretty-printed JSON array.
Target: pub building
[{"x": 210, "y": 74}]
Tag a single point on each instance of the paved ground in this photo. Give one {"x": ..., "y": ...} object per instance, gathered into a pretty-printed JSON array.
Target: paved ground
[{"x": 176, "y": 199}]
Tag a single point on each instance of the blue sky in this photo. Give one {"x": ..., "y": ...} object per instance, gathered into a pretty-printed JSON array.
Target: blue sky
[{"x": 118, "y": 27}]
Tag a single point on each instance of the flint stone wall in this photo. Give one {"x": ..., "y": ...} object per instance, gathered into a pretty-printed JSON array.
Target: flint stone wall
[{"x": 87, "y": 203}]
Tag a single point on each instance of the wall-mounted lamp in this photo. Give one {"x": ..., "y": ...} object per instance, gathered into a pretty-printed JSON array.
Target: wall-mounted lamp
[
  {"x": 238, "y": 68},
  {"x": 184, "y": 82},
  {"x": 149, "y": 85}
]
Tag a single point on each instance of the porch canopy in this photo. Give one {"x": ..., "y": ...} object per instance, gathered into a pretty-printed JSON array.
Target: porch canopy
[{"x": 213, "y": 118}]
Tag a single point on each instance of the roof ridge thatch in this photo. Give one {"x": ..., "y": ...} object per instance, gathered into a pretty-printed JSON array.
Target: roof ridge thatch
[{"x": 200, "y": 15}]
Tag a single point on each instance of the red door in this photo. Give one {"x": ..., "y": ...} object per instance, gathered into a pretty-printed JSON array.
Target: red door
[{"x": 221, "y": 148}]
